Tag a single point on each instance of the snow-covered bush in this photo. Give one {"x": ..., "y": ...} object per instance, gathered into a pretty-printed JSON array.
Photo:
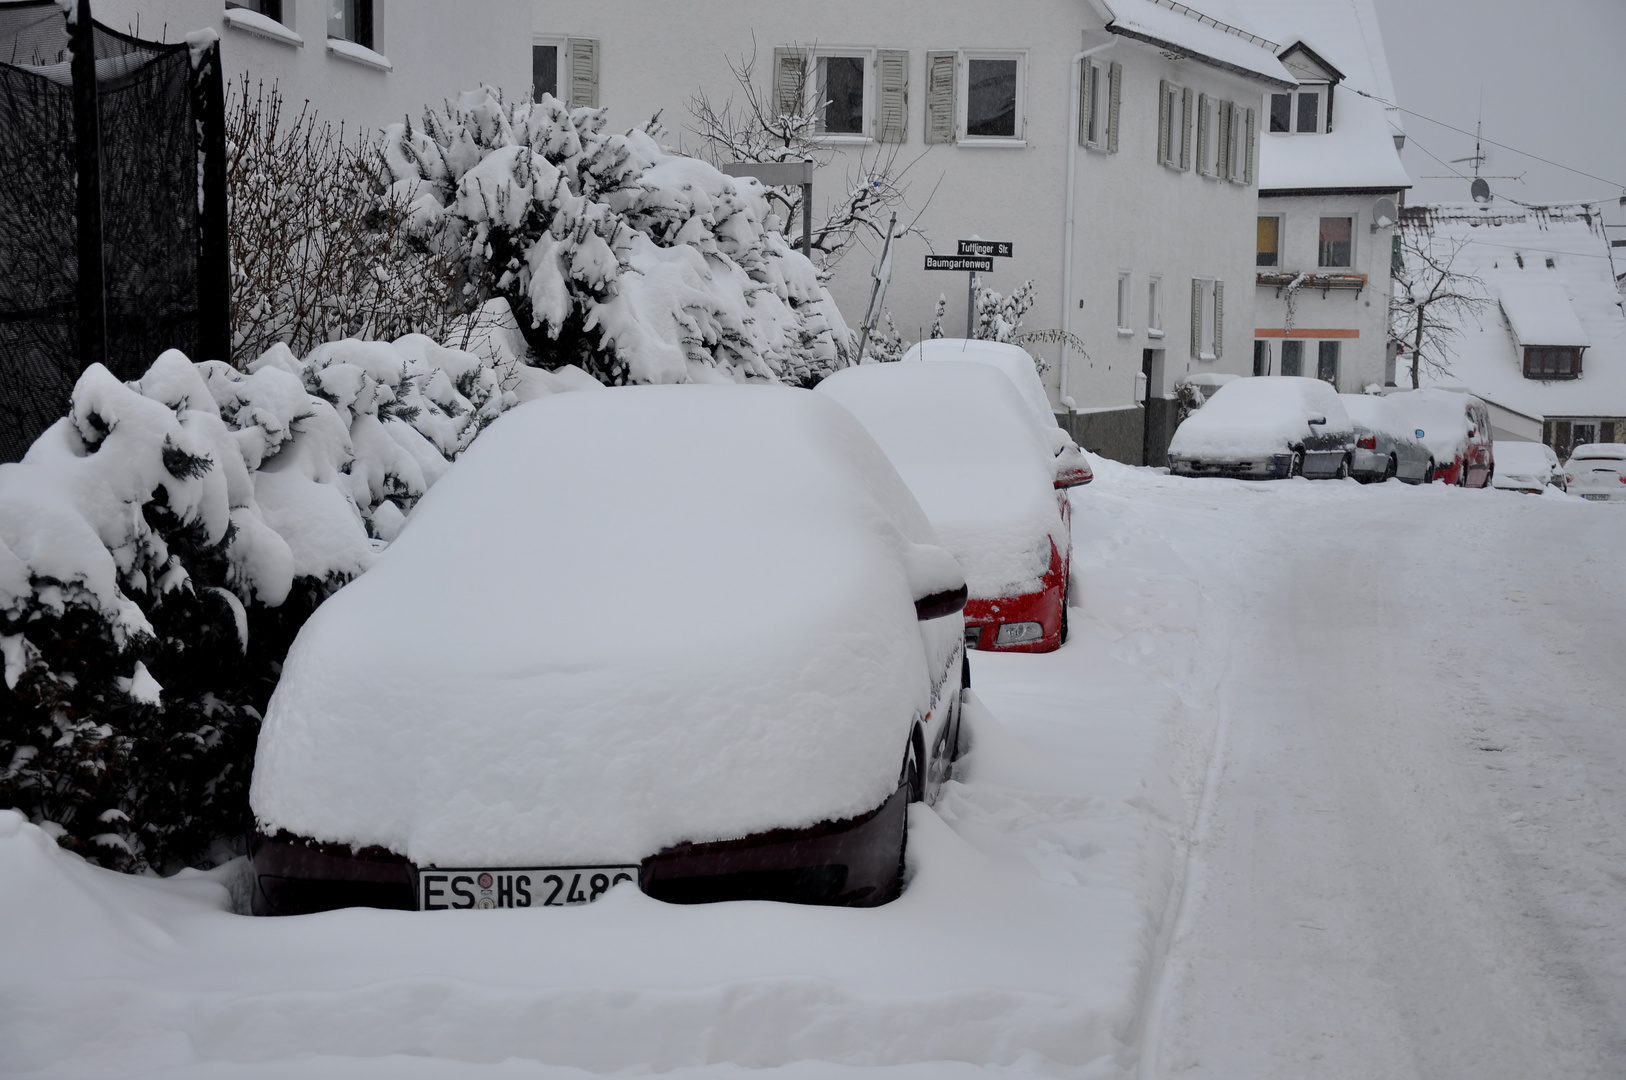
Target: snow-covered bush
[
  {"x": 161, "y": 545},
  {"x": 615, "y": 254}
]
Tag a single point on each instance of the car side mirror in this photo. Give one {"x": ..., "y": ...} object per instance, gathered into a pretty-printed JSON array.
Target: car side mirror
[
  {"x": 936, "y": 582},
  {"x": 1318, "y": 419},
  {"x": 1419, "y": 433},
  {"x": 1472, "y": 432}
]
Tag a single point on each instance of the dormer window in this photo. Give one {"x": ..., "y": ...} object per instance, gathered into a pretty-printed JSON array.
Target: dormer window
[{"x": 1300, "y": 112}]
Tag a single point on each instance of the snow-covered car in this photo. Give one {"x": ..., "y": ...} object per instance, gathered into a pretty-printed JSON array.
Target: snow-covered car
[
  {"x": 1071, "y": 467},
  {"x": 1597, "y": 471},
  {"x": 1266, "y": 428},
  {"x": 1383, "y": 445},
  {"x": 1455, "y": 427},
  {"x": 698, "y": 638},
  {"x": 961, "y": 439},
  {"x": 1527, "y": 466}
]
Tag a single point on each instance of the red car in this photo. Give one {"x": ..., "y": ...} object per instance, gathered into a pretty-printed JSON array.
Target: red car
[
  {"x": 964, "y": 441},
  {"x": 1455, "y": 426}
]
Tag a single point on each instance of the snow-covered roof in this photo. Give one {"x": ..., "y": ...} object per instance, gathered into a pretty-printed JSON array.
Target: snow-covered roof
[
  {"x": 1540, "y": 313},
  {"x": 1509, "y": 248},
  {"x": 1342, "y": 32},
  {"x": 1211, "y": 31}
]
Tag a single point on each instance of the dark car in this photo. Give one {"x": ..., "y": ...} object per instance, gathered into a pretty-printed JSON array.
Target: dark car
[{"x": 1266, "y": 428}]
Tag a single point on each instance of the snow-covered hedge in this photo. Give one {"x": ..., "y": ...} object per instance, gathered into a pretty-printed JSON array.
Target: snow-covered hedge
[
  {"x": 161, "y": 545},
  {"x": 615, "y": 254}
]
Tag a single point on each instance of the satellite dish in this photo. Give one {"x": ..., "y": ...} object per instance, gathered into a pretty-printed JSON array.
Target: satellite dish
[
  {"x": 1480, "y": 190},
  {"x": 1385, "y": 213}
]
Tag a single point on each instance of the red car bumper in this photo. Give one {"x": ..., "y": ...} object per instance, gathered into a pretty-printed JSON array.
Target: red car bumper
[{"x": 986, "y": 618}]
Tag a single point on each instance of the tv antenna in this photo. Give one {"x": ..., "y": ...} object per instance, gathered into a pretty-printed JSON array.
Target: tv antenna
[{"x": 1480, "y": 187}]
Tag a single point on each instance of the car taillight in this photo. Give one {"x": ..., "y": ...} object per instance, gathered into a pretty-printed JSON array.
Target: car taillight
[
  {"x": 1367, "y": 442},
  {"x": 1622, "y": 479},
  {"x": 1568, "y": 479}
]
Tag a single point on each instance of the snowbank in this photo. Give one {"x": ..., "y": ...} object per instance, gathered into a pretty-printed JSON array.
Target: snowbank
[
  {"x": 1260, "y": 416},
  {"x": 690, "y": 619},
  {"x": 965, "y": 443}
]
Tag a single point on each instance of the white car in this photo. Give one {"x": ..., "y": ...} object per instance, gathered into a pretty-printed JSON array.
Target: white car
[
  {"x": 1597, "y": 471},
  {"x": 697, "y": 638},
  {"x": 1267, "y": 427},
  {"x": 1072, "y": 468},
  {"x": 1530, "y": 467}
]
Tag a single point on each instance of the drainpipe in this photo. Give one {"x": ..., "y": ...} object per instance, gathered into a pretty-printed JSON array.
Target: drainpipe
[{"x": 1067, "y": 222}]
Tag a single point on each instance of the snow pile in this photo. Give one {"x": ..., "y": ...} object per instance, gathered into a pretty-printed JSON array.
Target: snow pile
[
  {"x": 639, "y": 264},
  {"x": 618, "y": 693},
  {"x": 1442, "y": 416},
  {"x": 966, "y": 444},
  {"x": 1249, "y": 417}
]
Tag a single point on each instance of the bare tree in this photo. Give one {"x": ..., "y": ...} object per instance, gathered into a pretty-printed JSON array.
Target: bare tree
[
  {"x": 1432, "y": 300},
  {"x": 753, "y": 127}
]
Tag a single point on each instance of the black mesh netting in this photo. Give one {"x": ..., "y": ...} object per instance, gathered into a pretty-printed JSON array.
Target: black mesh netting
[{"x": 149, "y": 184}]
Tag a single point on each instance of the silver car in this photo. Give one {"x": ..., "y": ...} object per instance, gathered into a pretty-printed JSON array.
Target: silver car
[{"x": 1383, "y": 445}]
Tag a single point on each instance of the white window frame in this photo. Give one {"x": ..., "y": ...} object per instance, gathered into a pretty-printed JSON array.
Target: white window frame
[
  {"x": 1126, "y": 304},
  {"x": 1154, "y": 306},
  {"x": 1354, "y": 241},
  {"x": 1323, "y": 90},
  {"x": 963, "y": 94},
  {"x": 1207, "y": 335},
  {"x": 1173, "y": 146},
  {"x": 814, "y": 106},
  {"x": 1099, "y": 97},
  {"x": 1208, "y": 146},
  {"x": 561, "y": 69},
  {"x": 1281, "y": 243}
]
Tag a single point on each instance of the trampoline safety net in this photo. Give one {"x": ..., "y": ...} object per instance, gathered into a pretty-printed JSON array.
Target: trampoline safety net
[{"x": 158, "y": 112}]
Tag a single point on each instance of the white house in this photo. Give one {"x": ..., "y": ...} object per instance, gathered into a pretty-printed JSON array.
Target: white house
[
  {"x": 1330, "y": 184},
  {"x": 366, "y": 63},
  {"x": 1548, "y": 350},
  {"x": 1113, "y": 143}
]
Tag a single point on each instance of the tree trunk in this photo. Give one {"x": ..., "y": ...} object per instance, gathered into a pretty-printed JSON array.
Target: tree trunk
[{"x": 1417, "y": 350}]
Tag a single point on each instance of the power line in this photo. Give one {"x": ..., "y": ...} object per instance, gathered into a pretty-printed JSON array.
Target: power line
[{"x": 1493, "y": 142}]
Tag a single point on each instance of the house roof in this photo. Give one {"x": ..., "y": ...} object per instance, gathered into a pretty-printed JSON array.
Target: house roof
[
  {"x": 1507, "y": 248},
  {"x": 1342, "y": 33},
  {"x": 1209, "y": 32}
]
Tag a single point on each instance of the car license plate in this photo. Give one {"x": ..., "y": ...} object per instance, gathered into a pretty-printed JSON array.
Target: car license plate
[
  {"x": 1596, "y": 498},
  {"x": 513, "y": 887}
]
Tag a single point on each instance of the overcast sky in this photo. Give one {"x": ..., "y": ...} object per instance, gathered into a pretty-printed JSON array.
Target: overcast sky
[{"x": 1553, "y": 76}]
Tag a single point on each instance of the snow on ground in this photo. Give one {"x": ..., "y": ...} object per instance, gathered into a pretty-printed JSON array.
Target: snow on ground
[{"x": 1404, "y": 856}]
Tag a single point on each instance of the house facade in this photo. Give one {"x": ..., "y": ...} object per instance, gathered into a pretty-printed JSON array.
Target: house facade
[
  {"x": 1112, "y": 143},
  {"x": 365, "y": 63},
  {"x": 1330, "y": 187},
  {"x": 1547, "y": 349}
]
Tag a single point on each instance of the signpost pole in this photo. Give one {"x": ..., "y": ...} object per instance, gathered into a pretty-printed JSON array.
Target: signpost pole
[{"x": 971, "y": 304}]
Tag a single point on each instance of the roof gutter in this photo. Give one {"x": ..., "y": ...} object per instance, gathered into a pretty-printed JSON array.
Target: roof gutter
[{"x": 1077, "y": 63}]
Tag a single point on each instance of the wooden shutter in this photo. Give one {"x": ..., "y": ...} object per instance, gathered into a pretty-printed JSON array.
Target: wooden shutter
[
  {"x": 1219, "y": 319},
  {"x": 1222, "y": 166},
  {"x": 1250, "y": 144},
  {"x": 789, "y": 81},
  {"x": 1187, "y": 100},
  {"x": 1164, "y": 90},
  {"x": 1084, "y": 102},
  {"x": 892, "y": 96},
  {"x": 583, "y": 72},
  {"x": 942, "y": 124},
  {"x": 1115, "y": 81},
  {"x": 1196, "y": 319},
  {"x": 1203, "y": 164}
]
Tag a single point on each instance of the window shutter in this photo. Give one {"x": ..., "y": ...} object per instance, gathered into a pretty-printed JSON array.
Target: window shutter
[
  {"x": 892, "y": 96},
  {"x": 1196, "y": 319},
  {"x": 1203, "y": 164},
  {"x": 1115, "y": 79},
  {"x": 942, "y": 124},
  {"x": 583, "y": 53},
  {"x": 789, "y": 81},
  {"x": 1163, "y": 121},
  {"x": 1222, "y": 167},
  {"x": 1084, "y": 102},
  {"x": 1186, "y": 102},
  {"x": 1219, "y": 319},
  {"x": 1251, "y": 145}
]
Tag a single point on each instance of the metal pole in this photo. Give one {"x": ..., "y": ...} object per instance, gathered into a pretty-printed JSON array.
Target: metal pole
[
  {"x": 214, "y": 255},
  {"x": 807, "y": 219},
  {"x": 971, "y": 305},
  {"x": 87, "y": 154}
]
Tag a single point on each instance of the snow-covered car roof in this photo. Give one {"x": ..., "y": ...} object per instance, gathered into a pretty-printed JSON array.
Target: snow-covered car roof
[
  {"x": 1531, "y": 462},
  {"x": 1013, "y": 360},
  {"x": 964, "y": 442},
  {"x": 621, "y": 621},
  {"x": 1265, "y": 415},
  {"x": 1442, "y": 415},
  {"x": 1596, "y": 451}
]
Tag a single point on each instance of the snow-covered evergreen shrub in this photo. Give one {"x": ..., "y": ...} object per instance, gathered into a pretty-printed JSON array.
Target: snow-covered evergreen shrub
[
  {"x": 161, "y": 546},
  {"x": 614, "y": 253}
]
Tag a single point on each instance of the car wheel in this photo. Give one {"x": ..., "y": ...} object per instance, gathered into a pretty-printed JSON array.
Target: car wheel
[
  {"x": 1065, "y": 593},
  {"x": 1462, "y": 474},
  {"x": 1394, "y": 467},
  {"x": 1343, "y": 469},
  {"x": 1296, "y": 466},
  {"x": 1428, "y": 473},
  {"x": 913, "y": 779},
  {"x": 965, "y": 670},
  {"x": 1490, "y": 474}
]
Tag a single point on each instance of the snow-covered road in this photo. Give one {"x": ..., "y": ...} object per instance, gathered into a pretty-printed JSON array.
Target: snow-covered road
[
  {"x": 1410, "y": 863},
  {"x": 1330, "y": 782}
]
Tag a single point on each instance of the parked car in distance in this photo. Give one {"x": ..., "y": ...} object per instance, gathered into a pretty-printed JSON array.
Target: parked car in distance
[
  {"x": 1455, "y": 428},
  {"x": 1597, "y": 471},
  {"x": 1269, "y": 427},
  {"x": 1384, "y": 448},
  {"x": 701, "y": 639},
  {"x": 963, "y": 440},
  {"x": 1530, "y": 467}
]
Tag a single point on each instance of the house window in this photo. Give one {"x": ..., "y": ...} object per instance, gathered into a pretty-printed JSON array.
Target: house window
[
  {"x": 1270, "y": 242},
  {"x": 1124, "y": 318},
  {"x": 1208, "y": 135},
  {"x": 1095, "y": 113},
  {"x": 351, "y": 20},
  {"x": 545, "y": 70},
  {"x": 1174, "y": 126},
  {"x": 1292, "y": 357},
  {"x": 1207, "y": 318},
  {"x": 1326, "y": 363},
  {"x": 1337, "y": 242},
  {"x": 840, "y": 82},
  {"x": 271, "y": 9},
  {"x": 1300, "y": 113},
  {"x": 1154, "y": 307},
  {"x": 1261, "y": 357},
  {"x": 993, "y": 97},
  {"x": 1552, "y": 362}
]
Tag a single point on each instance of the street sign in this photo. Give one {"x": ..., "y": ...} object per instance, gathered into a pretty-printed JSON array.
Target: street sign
[
  {"x": 974, "y": 263},
  {"x": 996, "y": 248}
]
